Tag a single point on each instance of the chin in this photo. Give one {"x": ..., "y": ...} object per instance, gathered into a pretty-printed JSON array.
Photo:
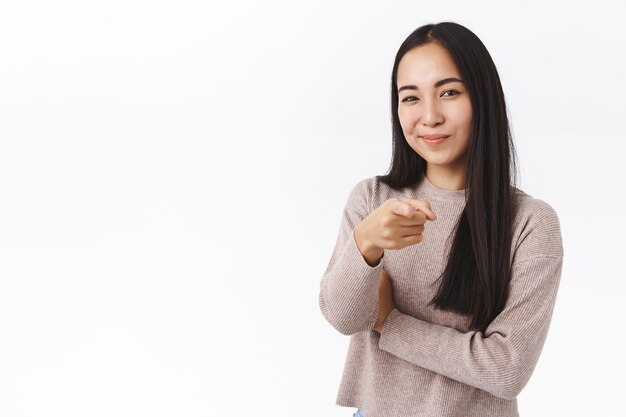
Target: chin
[{"x": 435, "y": 158}]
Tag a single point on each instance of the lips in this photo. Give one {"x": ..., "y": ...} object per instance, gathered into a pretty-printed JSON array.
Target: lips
[{"x": 434, "y": 137}]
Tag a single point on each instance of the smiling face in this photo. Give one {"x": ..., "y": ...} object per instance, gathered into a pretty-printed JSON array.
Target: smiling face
[{"x": 433, "y": 101}]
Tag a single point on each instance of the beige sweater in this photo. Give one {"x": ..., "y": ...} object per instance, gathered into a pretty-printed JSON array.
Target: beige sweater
[{"x": 426, "y": 362}]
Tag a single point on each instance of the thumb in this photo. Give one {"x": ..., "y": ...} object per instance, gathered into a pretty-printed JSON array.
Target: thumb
[{"x": 420, "y": 205}]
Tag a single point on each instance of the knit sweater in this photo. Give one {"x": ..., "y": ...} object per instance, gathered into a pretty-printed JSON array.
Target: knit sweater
[{"x": 427, "y": 362}]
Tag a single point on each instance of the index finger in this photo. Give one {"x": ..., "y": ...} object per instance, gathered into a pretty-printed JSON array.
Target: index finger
[{"x": 420, "y": 205}]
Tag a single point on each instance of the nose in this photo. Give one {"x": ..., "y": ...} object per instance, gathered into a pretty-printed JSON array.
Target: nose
[{"x": 431, "y": 114}]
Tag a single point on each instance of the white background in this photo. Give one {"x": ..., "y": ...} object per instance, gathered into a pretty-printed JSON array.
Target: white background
[{"x": 172, "y": 176}]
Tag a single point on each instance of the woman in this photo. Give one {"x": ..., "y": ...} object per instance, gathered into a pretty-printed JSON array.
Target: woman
[{"x": 444, "y": 273}]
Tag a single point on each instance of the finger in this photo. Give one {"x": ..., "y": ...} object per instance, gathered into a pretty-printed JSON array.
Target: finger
[
  {"x": 407, "y": 214},
  {"x": 420, "y": 205},
  {"x": 411, "y": 230},
  {"x": 411, "y": 240},
  {"x": 402, "y": 208}
]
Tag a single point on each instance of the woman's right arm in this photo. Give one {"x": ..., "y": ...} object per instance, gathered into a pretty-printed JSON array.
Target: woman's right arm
[
  {"x": 348, "y": 295},
  {"x": 349, "y": 288}
]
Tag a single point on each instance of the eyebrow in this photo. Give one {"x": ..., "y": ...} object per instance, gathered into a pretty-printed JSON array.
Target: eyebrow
[{"x": 437, "y": 84}]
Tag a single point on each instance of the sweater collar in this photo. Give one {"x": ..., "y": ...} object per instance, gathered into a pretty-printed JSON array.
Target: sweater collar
[{"x": 436, "y": 193}]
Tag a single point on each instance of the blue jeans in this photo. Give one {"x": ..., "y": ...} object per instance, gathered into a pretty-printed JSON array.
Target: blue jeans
[{"x": 358, "y": 413}]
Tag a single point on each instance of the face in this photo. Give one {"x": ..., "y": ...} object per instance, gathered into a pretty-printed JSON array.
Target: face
[{"x": 433, "y": 100}]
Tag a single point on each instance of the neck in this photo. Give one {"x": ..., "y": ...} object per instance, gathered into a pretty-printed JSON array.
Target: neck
[{"x": 446, "y": 179}]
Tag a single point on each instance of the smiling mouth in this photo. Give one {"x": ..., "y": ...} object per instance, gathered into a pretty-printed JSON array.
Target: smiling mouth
[{"x": 433, "y": 140}]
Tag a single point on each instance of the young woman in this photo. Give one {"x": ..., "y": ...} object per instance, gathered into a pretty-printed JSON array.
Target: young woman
[{"x": 444, "y": 274}]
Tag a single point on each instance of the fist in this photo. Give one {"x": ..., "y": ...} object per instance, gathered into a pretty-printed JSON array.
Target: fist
[{"x": 397, "y": 223}]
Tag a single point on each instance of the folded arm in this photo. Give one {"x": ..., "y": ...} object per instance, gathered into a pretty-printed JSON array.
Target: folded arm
[{"x": 500, "y": 360}]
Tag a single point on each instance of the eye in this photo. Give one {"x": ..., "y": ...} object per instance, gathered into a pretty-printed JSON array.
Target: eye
[
  {"x": 451, "y": 91},
  {"x": 406, "y": 99}
]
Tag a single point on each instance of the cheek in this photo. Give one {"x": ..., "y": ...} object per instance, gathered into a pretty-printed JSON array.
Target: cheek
[
  {"x": 405, "y": 119},
  {"x": 465, "y": 115},
  {"x": 466, "y": 121}
]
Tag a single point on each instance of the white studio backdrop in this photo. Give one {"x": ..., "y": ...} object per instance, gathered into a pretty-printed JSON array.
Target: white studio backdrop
[{"x": 172, "y": 176}]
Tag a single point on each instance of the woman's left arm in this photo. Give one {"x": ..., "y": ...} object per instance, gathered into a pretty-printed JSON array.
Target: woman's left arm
[{"x": 502, "y": 359}]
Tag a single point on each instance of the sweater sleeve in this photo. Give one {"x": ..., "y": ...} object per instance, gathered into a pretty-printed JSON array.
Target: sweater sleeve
[
  {"x": 348, "y": 295},
  {"x": 502, "y": 359}
]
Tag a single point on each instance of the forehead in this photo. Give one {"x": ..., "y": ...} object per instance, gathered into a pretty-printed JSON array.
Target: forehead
[{"x": 426, "y": 64}]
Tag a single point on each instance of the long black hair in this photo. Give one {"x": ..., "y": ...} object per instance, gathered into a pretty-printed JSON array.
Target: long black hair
[{"x": 476, "y": 278}]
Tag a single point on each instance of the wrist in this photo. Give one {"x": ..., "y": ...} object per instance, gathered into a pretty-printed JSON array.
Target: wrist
[
  {"x": 382, "y": 323},
  {"x": 370, "y": 252}
]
